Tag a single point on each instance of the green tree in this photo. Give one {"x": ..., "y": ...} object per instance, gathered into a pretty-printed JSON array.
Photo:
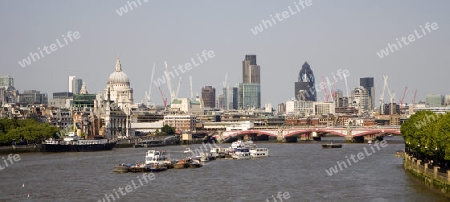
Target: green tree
[{"x": 168, "y": 130}]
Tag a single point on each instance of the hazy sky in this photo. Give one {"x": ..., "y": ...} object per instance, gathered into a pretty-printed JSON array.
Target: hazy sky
[{"x": 330, "y": 35}]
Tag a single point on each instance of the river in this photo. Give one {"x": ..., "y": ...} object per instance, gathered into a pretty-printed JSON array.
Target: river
[{"x": 297, "y": 170}]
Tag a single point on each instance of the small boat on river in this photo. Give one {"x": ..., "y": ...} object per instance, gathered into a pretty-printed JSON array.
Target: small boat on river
[{"x": 331, "y": 145}]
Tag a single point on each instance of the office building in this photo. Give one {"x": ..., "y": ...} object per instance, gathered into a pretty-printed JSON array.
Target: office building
[
  {"x": 305, "y": 87},
  {"x": 33, "y": 97},
  {"x": 250, "y": 88},
  {"x": 6, "y": 81},
  {"x": 209, "y": 97},
  {"x": 249, "y": 96},
  {"x": 434, "y": 100},
  {"x": 250, "y": 70},
  {"x": 230, "y": 96},
  {"x": 369, "y": 84}
]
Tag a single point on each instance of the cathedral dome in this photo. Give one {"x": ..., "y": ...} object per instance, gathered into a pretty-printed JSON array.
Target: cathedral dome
[{"x": 118, "y": 76}]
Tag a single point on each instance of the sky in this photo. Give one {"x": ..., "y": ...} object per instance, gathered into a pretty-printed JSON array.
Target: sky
[{"x": 331, "y": 36}]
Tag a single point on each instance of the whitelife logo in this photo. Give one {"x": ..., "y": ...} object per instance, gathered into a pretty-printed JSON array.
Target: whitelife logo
[
  {"x": 280, "y": 17},
  {"x": 70, "y": 37},
  {"x": 411, "y": 38}
]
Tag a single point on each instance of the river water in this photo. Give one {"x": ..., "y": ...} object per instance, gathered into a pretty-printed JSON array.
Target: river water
[{"x": 295, "y": 169}]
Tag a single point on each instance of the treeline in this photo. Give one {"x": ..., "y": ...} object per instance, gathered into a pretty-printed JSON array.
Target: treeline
[
  {"x": 427, "y": 137},
  {"x": 28, "y": 131}
]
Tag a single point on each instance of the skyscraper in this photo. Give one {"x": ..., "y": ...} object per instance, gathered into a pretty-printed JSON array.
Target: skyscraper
[
  {"x": 75, "y": 85},
  {"x": 71, "y": 78},
  {"x": 6, "y": 81},
  {"x": 250, "y": 88},
  {"x": 368, "y": 84},
  {"x": 250, "y": 70},
  {"x": 305, "y": 87},
  {"x": 230, "y": 95},
  {"x": 209, "y": 97}
]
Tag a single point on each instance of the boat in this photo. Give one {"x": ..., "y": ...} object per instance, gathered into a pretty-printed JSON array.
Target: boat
[
  {"x": 241, "y": 153},
  {"x": 74, "y": 143},
  {"x": 156, "y": 157},
  {"x": 331, "y": 145},
  {"x": 259, "y": 152},
  {"x": 187, "y": 150},
  {"x": 150, "y": 143},
  {"x": 204, "y": 157},
  {"x": 243, "y": 144}
]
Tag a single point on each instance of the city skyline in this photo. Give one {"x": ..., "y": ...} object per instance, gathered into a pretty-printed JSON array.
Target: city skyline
[{"x": 87, "y": 46}]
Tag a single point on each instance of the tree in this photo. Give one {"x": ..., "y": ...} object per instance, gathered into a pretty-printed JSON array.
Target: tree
[{"x": 168, "y": 130}]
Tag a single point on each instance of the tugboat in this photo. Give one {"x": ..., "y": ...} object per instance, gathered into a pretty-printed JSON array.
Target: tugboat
[
  {"x": 74, "y": 143},
  {"x": 331, "y": 145}
]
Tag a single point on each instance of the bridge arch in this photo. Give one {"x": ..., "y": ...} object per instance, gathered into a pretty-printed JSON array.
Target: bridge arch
[
  {"x": 378, "y": 131},
  {"x": 246, "y": 132},
  {"x": 297, "y": 132}
]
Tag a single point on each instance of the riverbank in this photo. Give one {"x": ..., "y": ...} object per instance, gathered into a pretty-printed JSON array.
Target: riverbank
[
  {"x": 20, "y": 149},
  {"x": 429, "y": 176}
]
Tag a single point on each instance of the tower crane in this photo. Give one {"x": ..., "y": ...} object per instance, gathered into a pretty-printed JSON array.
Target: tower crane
[
  {"x": 325, "y": 90},
  {"x": 148, "y": 93},
  {"x": 190, "y": 85},
  {"x": 178, "y": 89},
  {"x": 403, "y": 97},
  {"x": 163, "y": 97},
  {"x": 385, "y": 78},
  {"x": 166, "y": 72},
  {"x": 391, "y": 95}
]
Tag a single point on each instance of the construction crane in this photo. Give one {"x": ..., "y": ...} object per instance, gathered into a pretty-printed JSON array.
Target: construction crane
[
  {"x": 392, "y": 97},
  {"x": 385, "y": 78},
  {"x": 178, "y": 89},
  {"x": 168, "y": 80},
  {"x": 190, "y": 85},
  {"x": 413, "y": 102},
  {"x": 325, "y": 90},
  {"x": 163, "y": 97},
  {"x": 403, "y": 97},
  {"x": 346, "y": 86},
  {"x": 224, "y": 83},
  {"x": 333, "y": 92},
  {"x": 149, "y": 92}
]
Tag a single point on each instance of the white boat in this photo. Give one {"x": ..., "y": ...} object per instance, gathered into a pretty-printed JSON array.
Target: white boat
[
  {"x": 187, "y": 150},
  {"x": 241, "y": 144},
  {"x": 259, "y": 152},
  {"x": 204, "y": 157},
  {"x": 156, "y": 157},
  {"x": 241, "y": 153}
]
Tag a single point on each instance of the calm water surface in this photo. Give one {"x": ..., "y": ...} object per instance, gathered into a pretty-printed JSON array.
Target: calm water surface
[{"x": 296, "y": 168}]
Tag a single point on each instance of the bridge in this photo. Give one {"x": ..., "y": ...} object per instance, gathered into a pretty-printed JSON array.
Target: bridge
[{"x": 284, "y": 134}]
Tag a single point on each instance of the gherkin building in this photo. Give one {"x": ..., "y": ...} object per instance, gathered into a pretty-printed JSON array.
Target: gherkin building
[{"x": 306, "y": 84}]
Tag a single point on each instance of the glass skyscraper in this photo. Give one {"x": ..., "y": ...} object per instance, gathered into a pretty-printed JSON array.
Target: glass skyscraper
[
  {"x": 250, "y": 88},
  {"x": 305, "y": 87}
]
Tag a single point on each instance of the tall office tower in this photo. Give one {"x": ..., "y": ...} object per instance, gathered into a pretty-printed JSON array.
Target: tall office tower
[
  {"x": 368, "y": 84},
  {"x": 305, "y": 87},
  {"x": 281, "y": 108},
  {"x": 209, "y": 97},
  {"x": 6, "y": 81},
  {"x": 76, "y": 86},
  {"x": 71, "y": 78},
  {"x": 250, "y": 88},
  {"x": 250, "y": 70},
  {"x": 230, "y": 96},
  {"x": 249, "y": 96}
]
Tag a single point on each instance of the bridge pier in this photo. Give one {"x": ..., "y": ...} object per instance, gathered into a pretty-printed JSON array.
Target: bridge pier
[{"x": 280, "y": 137}]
